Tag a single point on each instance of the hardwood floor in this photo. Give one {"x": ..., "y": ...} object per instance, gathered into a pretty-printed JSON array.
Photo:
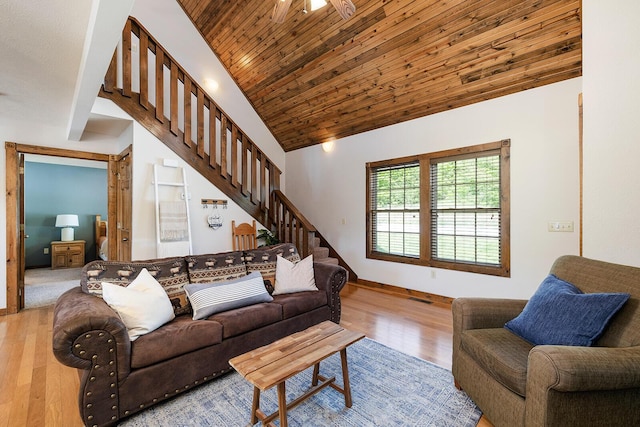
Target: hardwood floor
[{"x": 36, "y": 390}]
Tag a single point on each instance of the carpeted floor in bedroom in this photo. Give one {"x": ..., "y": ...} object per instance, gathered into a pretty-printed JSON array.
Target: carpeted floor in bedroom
[{"x": 43, "y": 286}]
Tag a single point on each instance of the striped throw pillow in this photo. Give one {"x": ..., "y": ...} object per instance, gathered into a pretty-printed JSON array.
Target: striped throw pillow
[{"x": 210, "y": 298}]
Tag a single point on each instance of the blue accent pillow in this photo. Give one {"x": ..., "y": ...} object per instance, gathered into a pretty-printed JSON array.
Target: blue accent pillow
[{"x": 561, "y": 314}]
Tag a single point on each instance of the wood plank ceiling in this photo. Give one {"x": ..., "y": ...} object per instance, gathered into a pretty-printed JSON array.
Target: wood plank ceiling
[{"x": 317, "y": 77}]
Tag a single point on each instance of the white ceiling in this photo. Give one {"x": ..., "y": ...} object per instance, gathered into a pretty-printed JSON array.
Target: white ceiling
[
  {"x": 41, "y": 47},
  {"x": 46, "y": 74}
]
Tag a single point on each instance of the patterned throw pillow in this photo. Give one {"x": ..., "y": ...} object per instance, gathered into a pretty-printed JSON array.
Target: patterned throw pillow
[
  {"x": 212, "y": 268},
  {"x": 171, "y": 273},
  {"x": 265, "y": 259}
]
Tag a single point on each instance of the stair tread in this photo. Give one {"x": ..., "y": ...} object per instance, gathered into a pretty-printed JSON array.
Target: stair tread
[
  {"x": 328, "y": 260},
  {"x": 320, "y": 252}
]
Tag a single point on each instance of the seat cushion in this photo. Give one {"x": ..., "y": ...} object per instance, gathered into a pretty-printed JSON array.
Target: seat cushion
[
  {"x": 240, "y": 320},
  {"x": 181, "y": 335},
  {"x": 501, "y": 353},
  {"x": 300, "y": 302}
]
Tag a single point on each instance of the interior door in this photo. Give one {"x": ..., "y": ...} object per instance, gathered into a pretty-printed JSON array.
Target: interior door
[
  {"x": 21, "y": 234},
  {"x": 124, "y": 203}
]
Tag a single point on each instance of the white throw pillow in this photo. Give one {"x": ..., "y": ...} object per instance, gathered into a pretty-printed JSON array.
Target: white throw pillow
[
  {"x": 143, "y": 306},
  {"x": 292, "y": 277}
]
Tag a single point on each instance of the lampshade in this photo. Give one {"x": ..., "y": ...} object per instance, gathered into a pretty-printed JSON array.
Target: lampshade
[{"x": 67, "y": 221}]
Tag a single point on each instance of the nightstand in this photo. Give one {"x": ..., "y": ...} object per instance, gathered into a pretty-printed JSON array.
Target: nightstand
[{"x": 67, "y": 254}]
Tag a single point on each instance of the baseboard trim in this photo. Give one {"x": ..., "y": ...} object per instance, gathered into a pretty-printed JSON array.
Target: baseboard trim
[
  {"x": 3, "y": 311},
  {"x": 404, "y": 292}
]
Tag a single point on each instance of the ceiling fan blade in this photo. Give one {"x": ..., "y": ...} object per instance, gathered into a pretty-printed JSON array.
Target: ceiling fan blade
[
  {"x": 280, "y": 11},
  {"x": 345, "y": 8}
]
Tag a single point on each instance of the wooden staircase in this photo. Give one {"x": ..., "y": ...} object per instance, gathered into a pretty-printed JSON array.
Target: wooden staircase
[{"x": 186, "y": 119}]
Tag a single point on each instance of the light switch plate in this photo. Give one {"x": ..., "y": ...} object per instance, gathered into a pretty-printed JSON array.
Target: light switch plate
[{"x": 560, "y": 226}]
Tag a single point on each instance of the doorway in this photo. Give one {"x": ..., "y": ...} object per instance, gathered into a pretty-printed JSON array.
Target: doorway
[{"x": 15, "y": 232}]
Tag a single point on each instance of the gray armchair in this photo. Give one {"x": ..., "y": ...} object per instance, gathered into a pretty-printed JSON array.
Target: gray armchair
[{"x": 515, "y": 383}]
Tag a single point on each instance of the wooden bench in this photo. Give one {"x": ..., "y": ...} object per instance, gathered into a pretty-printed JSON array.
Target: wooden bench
[{"x": 273, "y": 364}]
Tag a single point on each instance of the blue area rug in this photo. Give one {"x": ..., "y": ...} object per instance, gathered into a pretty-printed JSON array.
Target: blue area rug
[{"x": 389, "y": 388}]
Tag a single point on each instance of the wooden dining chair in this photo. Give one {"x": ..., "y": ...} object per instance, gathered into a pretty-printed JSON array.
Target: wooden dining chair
[{"x": 244, "y": 236}]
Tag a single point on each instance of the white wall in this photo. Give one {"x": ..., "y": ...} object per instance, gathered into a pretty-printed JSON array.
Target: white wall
[
  {"x": 611, "y": 46},
  {"x": 542, "y": 124}
]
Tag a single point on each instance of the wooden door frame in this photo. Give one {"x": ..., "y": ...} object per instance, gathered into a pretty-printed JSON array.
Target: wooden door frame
[
  {"x": 115, "y": 250},
  {"x": 12, "y": 151}
]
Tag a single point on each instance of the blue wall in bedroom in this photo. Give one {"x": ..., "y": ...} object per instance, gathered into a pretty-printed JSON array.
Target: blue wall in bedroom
[{"x": 52, "y": 189}]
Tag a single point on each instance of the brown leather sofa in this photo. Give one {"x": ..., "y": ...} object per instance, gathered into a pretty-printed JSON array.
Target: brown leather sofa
[
  {"x": 517, "y": 384},
  {"x": 120, "y": 377}
]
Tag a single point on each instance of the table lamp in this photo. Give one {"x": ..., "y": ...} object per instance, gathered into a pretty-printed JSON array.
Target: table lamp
[{"x": 67, "y": 221}]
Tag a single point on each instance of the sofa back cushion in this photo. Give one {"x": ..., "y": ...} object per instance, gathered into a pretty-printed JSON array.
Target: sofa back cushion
[
  {"x": 211, "y": 268},
  {"x": 591, "y": 276},
  {"x": 171, "y": 273},
  {"x": 264, "y": 260}
]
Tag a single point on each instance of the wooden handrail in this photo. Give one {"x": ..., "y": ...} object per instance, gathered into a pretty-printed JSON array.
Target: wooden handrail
[
  {"x": 189, "y": 121},
  {"x": 290, "y": 225}
]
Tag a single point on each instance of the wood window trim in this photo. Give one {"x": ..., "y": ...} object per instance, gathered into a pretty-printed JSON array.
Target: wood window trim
[{"x": 425, "y": 258}]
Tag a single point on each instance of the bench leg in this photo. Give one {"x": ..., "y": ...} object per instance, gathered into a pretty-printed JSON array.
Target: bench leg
[
  {"x": 255, "y": 405},
  {"x": 316, "y": 371},
  {"x": 282, "y": 404},
  {"x": 345, "y": 377}
]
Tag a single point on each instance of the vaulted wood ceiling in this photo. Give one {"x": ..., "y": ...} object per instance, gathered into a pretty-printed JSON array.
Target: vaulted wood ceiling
[{"x": 317, "y": 77}]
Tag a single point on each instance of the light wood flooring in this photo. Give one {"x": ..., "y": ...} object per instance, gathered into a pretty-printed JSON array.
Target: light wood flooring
[{"x": 36, "y": 390}]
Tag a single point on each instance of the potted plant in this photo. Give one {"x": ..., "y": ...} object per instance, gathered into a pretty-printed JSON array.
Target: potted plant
[{"x": 267, "y": 238}]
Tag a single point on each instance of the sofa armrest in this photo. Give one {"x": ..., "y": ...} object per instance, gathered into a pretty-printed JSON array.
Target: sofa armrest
[
  {"x": 482, "y": 313},
  {"x": 331, "y": 278},
  {"x": 89, "y": 335},
  {"x": 582, "y": 386},
  {"x": 569, "y": 369},
  {"x": 84, "y": 326}
]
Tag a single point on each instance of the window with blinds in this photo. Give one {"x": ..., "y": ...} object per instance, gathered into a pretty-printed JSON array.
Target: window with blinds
[
  {"x": 395, "y": 213},
  {"x": 448, "y": 209},
  {"x": 465, "y": 209}
]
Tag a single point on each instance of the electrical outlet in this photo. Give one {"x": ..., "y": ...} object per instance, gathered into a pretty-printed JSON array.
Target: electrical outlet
[
  {"x": 46, "y": 251},
  {"x": 560, "y": 226}
]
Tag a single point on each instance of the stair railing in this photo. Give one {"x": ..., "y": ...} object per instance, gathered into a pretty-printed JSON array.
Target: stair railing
[
  {"x": 145, "y": 80},
  {"x": 290, "y": 225}
]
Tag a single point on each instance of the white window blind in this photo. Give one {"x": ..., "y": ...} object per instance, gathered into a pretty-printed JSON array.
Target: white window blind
[
  {"x": 395, "y": 209},
  {"x": 465, "y": 209}
]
